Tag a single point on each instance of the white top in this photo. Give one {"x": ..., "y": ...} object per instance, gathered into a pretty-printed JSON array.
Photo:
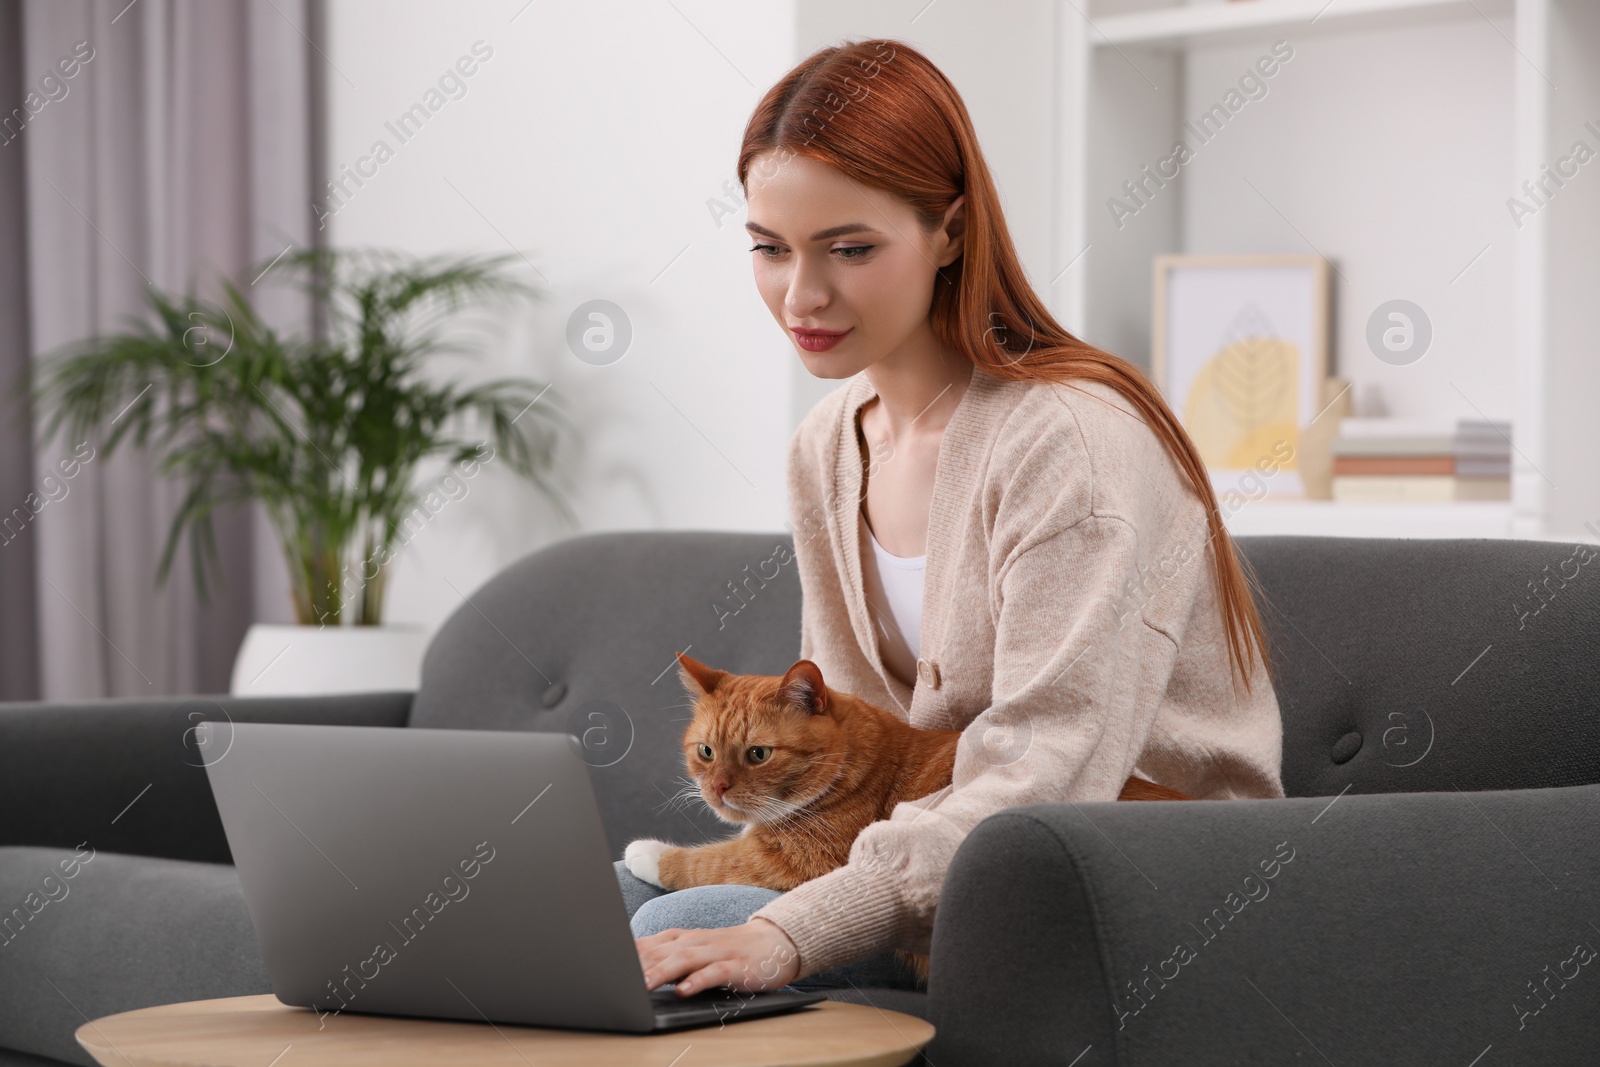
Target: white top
[{"x": 894, "y": 594}]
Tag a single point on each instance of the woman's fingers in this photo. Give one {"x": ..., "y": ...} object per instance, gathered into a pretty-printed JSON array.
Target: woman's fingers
[
  {"x": 707, "y": 977},
  {"x": 699, "y": 963},
  {"x": 743, "y": 958},
  {"x": 721, "y": 970},
  {"x": 669, "y": 955},
  {"x": 651, "y": 948},
  {"x": 678, "y": 959}
]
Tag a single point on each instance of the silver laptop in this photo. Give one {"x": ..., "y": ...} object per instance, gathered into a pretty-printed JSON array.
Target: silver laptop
[{"x": 456, "y": 874}]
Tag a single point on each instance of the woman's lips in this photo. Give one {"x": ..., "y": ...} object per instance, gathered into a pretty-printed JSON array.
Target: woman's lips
[{"x": 819, "y": 340}]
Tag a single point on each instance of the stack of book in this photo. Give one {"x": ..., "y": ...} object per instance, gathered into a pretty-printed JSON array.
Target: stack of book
[{"x": 1395, "y": 459}]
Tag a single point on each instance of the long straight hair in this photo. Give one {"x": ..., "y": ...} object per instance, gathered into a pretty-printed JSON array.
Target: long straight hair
[{"x": 881, "y": 113}]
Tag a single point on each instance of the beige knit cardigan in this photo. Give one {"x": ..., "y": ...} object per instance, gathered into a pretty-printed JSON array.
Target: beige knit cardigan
[{"x": 1071, "y": 628}]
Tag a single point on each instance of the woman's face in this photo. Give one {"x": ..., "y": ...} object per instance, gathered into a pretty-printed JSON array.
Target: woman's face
[{"x": 834, "y": 255}]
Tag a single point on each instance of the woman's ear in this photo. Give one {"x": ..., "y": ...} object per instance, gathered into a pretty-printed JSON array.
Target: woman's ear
[
  {"x": 954, "y": 231},
  {"x": 696, "y": 676},
  {"x": 802, "y": 688}
]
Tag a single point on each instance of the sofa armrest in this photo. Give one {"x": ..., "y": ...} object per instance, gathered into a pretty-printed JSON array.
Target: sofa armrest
[
  {"x": 125, "y": 775},
  {"x": 1385, "y": 928}
]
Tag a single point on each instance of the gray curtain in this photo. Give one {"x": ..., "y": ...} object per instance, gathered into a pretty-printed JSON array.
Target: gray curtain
[{"x": 181, "y": 146}]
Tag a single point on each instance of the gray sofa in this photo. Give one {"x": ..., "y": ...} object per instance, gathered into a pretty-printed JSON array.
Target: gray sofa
[{"x": 1427, "y": 894}]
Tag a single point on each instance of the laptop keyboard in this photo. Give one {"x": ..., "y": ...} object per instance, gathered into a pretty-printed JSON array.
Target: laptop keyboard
[
  {"x": 668, "y": 1004},
  {"x": 723, "y": 1005}
]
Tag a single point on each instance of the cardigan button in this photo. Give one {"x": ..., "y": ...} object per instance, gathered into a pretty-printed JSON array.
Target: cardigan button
[{"x": 928, "y": 672}]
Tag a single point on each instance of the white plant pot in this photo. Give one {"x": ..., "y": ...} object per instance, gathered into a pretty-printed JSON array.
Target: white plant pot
[{"x": 278, "y": 659}]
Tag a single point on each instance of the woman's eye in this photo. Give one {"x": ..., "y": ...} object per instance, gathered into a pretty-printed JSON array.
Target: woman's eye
[
  {"x": 847, "y": 252},
  {"x": 759, "y": 753}
]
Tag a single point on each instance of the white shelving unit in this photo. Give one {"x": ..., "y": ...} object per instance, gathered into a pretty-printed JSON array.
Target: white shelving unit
[
  {"x": 1245, "y": 21},
  {"x": 1390, "y": 144}
]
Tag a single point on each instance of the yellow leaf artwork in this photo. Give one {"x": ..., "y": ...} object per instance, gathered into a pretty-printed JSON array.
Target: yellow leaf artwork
[{"x": 1244, "y": 399}]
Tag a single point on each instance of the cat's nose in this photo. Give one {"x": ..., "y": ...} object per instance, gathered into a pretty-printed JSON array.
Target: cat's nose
[{"x": 719, "y": 788}]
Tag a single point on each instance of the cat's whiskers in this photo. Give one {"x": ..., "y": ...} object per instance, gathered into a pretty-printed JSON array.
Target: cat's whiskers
[
  {"x": 686, "y": 794},
  {"x": 670, "y": 802},
  {"x": 692, "y": 792}
]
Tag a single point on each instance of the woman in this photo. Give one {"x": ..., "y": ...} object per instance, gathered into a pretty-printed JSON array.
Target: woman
[{"x": 998, "y": 529}]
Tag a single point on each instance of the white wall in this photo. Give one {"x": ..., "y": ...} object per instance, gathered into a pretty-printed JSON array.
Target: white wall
[
  {"x": 1131, "y": 126},
  {"x": 591, "y": 140}
]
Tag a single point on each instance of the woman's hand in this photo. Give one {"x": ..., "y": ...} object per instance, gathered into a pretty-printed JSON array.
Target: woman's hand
[{"x": 754, "y": 956}]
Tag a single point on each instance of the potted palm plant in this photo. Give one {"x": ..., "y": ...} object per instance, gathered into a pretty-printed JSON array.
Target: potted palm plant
[{"x": 330, "y": 435}]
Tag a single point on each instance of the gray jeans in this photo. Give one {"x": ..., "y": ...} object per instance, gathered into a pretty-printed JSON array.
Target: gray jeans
[{"x": 652, "y": 909}]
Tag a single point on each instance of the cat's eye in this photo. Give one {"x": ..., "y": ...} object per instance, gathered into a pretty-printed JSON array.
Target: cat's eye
[
  {"x": 704, "y": 750},
  {"x": 759, "y": 753}
]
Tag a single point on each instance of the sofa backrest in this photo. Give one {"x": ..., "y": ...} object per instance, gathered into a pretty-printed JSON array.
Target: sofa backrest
[
  {"x": 580, "y": 636},
  {"x": 1424, "y": 665},
  {"x": 1403, "y": 665}
]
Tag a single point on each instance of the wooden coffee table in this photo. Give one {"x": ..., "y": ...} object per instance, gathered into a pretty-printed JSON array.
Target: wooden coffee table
[{"x": 259, "y": 1031}]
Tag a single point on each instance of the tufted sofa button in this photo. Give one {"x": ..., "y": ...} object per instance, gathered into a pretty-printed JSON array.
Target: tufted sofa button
[
  {"x": 553, "y": 695},
  {"x": 1346, "y": 747},
  {"x": 928, "y": 672}
]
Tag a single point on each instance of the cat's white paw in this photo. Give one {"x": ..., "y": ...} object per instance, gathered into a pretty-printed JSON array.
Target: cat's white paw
[{"x": 643, "y": 859}]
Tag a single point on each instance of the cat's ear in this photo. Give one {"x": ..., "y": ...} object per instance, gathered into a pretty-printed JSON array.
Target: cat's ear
[
  {"x": 697, "y": 677},
  {"x": 803, "y": 688}
]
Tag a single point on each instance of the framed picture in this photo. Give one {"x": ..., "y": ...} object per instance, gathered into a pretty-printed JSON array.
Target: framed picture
[{"x": 1240, "y": 351}]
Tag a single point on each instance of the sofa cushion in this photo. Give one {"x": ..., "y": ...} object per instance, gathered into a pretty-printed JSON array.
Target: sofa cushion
[
  {"x": 1423, "y": 665},
  {"x": 85, "y": 934}
]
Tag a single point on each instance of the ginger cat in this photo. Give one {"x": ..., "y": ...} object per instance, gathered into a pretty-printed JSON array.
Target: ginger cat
[{"x": 803, "y": 768}]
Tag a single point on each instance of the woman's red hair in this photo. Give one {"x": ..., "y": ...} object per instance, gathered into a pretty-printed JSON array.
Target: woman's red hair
[{"x": 881, "y": 113}]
